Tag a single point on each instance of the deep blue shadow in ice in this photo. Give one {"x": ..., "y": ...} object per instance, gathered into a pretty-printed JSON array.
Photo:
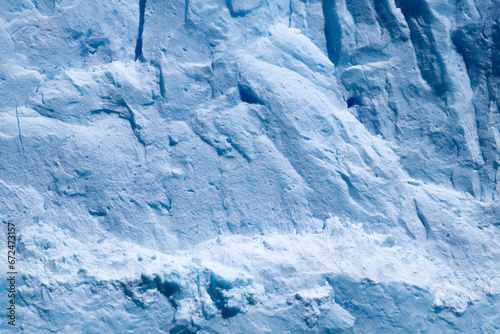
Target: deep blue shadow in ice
[
  {"x": 248, "y": 96},
  {"x": 333, "y": 31},
  {"x": 353, "y": 101},
  {"x": 138, "y": 45},
  {"x": 419, "y": 18}
]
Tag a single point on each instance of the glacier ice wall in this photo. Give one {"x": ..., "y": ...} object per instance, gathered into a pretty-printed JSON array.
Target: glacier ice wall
[{"x": 252, "y": 166}]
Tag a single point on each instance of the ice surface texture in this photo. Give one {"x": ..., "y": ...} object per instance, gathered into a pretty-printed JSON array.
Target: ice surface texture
[{"x": 252, "y": 166}]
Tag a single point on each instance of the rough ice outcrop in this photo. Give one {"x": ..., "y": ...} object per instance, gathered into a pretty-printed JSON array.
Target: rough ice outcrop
[{"x": 252, "y": 166}]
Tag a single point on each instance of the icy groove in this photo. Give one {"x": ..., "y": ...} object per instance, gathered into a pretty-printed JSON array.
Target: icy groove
[
  {"x": 419, "y": 18},
  {"x": 19, "y": 130},
  {"x": 131, "y": 118},
  {"x": 138, "y": 45},
  {"x": 423, "y": 219},
  {"x": 333, "y": 31}
]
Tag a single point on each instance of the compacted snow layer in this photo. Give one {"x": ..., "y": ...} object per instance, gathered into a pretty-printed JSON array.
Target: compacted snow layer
[
  {"x": 250, "y": 166},
  {"x": 262, "y": 284}
]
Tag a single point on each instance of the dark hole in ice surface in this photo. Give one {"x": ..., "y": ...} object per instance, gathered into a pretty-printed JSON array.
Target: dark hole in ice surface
[
  {"x": 353, "y": 101},
  {"x": 228, "y": 312},
  {"x": 248, "y": 96},
  {"x": 172, "y": 141}
]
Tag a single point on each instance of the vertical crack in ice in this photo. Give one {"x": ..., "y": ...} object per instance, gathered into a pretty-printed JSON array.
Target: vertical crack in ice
[
  {"x": 333, "y": 32},
  {"x": 19, "y": 130},
  {"x": 161, "y": 82},
  {"x": 135, "y": 127},
  {"x": 186, "y": 12},
  {"x": 138, "y": 45},
  {"x": 387, "y": 19},
  {"x": 422, "y": 219},
  {"x": 419, "y": 18},
  {"x": 290, "y": 16},
  {"x": 480, "y": 54}
]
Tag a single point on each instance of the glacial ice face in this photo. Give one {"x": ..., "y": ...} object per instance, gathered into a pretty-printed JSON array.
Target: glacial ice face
[{"x": 252, "y": 166}]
